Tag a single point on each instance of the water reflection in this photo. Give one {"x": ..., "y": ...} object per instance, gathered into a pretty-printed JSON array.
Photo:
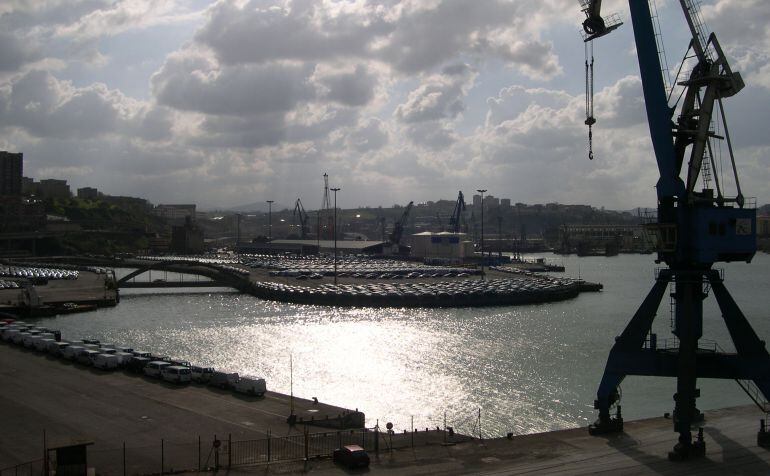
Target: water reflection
[{"x": 529, "y": 368}]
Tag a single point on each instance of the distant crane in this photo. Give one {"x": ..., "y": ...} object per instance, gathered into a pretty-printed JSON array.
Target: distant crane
[
  {"x": 303, "y": 218},
  {"x": 398, "y": 227},
  {"x": 458, "y": 213}
]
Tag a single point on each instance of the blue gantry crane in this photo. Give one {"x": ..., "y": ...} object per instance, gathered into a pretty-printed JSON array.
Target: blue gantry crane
[{"x": 697, "y": 226}]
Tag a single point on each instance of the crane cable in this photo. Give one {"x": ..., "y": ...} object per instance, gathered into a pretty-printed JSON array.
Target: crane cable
[{"x": 590, "y": 120}]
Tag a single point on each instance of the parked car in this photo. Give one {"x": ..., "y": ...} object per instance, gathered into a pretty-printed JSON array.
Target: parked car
[
  {"x": 201, "y": 374},
  {"x": 154, "y": 368},
  {"x": 223, "y": 379},
  {"x": 351, "y": 456},
  {"x": 124, "y": 358},
  {"x": 41, "y": 345},
  {"x": 106, "y": 361},
  {"x": 251, "y": 386},
  {"x": 176, "y": 374},
  {"x": 137, "y": 364},
  {"x": 71, "y": 352},
  {"x": 87, "y": 356},
  {"x": 57, "y": 348},
  {"x": 18, "y": 338}
]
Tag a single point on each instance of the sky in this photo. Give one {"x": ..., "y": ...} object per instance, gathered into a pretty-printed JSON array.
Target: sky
[{"x": 233, "y": 102}]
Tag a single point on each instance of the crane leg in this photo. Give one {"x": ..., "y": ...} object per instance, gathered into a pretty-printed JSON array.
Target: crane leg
[
  {"x": 689, "y": 328},
  {"x": 623, "y": 359}
]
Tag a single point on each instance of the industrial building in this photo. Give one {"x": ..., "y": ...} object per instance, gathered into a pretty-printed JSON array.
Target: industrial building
[
  {"x": 175, "y": 212},
  {"x": 313, "y": 247},
  {"x": 445, "y": 246}
]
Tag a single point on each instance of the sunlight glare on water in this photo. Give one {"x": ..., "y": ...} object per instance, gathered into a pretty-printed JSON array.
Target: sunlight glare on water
[{"x": 529, "y": 368}]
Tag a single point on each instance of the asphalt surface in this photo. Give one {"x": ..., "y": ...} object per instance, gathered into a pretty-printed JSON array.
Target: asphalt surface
[{"x": 70, "y": 402}]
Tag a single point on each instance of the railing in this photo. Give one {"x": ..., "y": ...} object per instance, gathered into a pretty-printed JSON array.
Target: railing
[
  {"x": 168, "y": 457},
  {"x": 706, "y": 345}
]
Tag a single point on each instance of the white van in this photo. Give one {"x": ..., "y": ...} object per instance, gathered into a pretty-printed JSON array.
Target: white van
[
  {"x": 154, "y": 368},
  {"x": 251, "y": 386},
  {"x": 106, "y": 361},
  {"x": 87, "y": 357},
  {"x": 18, "y": 338},
  {"x": 71, "y": 352},
  {"x": 57, "y": 348},
  {"x": 176, "y": 374},
  {"x": 123, "y": 358},
  {"x": 9, "y": 332},
  {"x": 41, "y": 345}
]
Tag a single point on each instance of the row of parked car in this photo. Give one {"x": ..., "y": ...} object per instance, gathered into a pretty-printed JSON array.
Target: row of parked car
[{"x": 110, "y": 357}]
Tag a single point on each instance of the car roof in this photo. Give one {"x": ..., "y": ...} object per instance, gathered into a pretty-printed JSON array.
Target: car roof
[{"x": 353, "y": 448}]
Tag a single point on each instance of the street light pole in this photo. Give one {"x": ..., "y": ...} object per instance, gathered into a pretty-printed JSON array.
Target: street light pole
[
  {"x": 335, "y": 190},
  {"x": 270, "y": 220},
  {"x": 482, "y": 230}
]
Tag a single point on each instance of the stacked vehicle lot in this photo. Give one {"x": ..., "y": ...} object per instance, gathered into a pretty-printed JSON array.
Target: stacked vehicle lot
[{"x": 110, "y": 357}]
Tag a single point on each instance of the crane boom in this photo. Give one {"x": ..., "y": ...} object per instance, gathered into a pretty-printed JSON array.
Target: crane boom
[
  {"x": 457, "y": 213},
  {"x": 303, "y": 218},
  {"x": 398, "y": 227},
  {"x": 695, "y": 229}
]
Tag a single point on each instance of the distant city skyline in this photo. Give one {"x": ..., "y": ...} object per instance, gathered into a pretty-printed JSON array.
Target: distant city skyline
[{"x": 230, "y": 103}]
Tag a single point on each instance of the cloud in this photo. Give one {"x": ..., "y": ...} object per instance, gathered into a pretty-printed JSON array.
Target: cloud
[
  {"x": 354, "y": 88},
  {"x": 46, "y": 107},
  {"x": 370, "y": 135},
  {"x": 410, "y": 37},
  {"x": 439, "y": 96},
  {"x": 120, "y": 16},
  {"x": 195, "y": 83},
  {"x": 14, "y": 52}
]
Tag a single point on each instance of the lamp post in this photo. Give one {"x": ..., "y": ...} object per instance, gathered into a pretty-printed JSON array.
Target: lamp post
[
  {"x": 482, "y": 230},
  {"x": 335, "y": 190},
  {"x": 270, "y": 220}
]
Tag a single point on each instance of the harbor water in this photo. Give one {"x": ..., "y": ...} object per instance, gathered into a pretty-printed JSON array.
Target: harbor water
[{"x": 526, "y": 368}]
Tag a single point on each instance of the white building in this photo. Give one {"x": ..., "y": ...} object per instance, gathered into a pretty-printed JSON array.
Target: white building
[{"x": 452, "y": 247}]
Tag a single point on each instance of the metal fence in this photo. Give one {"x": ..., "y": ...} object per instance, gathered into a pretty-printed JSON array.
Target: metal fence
[{"x": 206, "y": 454}]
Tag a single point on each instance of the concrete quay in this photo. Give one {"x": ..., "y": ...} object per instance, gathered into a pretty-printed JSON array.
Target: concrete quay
[{"x": 71, "y": 402}]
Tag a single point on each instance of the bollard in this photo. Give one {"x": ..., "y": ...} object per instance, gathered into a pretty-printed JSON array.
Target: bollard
[{"x": 162, "y": 455}]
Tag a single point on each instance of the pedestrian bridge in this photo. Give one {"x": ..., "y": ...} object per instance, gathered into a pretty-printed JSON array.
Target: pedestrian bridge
[{"x": 219, "y": 276}]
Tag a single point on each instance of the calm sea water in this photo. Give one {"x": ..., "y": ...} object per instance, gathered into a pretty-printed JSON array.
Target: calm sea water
[{"x": 528, "y": 368}]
